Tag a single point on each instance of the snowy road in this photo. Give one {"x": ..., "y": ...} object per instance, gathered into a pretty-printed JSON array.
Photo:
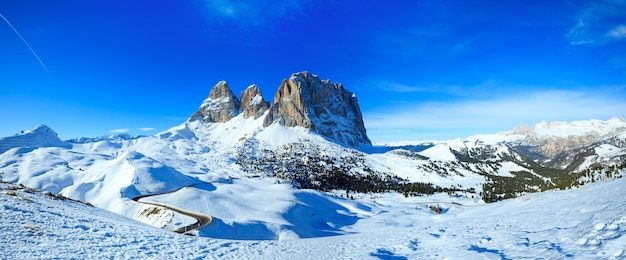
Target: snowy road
[{"x": 201, "y": 219}]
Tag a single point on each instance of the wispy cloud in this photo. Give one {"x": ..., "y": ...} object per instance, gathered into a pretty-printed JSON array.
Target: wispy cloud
[
  {"x": 618, "y": 32},
  {"x": 399, "y": 87},
  {"x": 146, "y": 129},
  {"x": 126, "y": 130},
  {"x": 442, "y": 120},
  {"x": 455, "y": 90},
  {"x": 598, "y": 22},
  {"x": 252, "y": 12},
  {"x": 119, "y": 130},
  {"x": 460, "y": 47}
]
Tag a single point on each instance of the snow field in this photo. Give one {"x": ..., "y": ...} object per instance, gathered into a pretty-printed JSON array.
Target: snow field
[
  {"x": 193, "y": 165},
  {"x": 581, "y": 223}
]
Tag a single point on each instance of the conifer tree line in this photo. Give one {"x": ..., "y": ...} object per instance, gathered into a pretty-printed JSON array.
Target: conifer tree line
[{"x": 309, "y": 166}]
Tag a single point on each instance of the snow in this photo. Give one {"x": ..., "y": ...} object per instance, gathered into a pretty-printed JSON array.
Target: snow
[
  {"x": 214, "y": 104},
  {"x": 277, "y": 134},
  {"x": 192, "y": 167},
  {"x": 607, "y": 150},
  {"x": 606, "y": 154},
  {"x": 258, "y": 99},
  {"x": 39, "y": 136},
  {"x": 583, "y": 223},
  {"x": 417, "y": 171},
  {"x": 439, "y": 152},
  {"x": 593, "y": 126},
  {"x": 508, "y": 167}
]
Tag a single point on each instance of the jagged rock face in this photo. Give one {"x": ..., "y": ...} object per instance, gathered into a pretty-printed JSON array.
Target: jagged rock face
[
  {"x": 221, "y": 105},
  {"x": 252, "y": 102},
  {"x": 553, "y": 139},
  {"x": 288, "y": 108},
  {"x": 566, "y": 145},
  {"x": 324, "y": 107}
]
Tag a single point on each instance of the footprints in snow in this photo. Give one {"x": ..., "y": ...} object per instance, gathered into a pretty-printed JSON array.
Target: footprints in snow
[
  {"x": 413, "y": 244},
  {"x": 603, "y": 232},
  {"x": 386, "y": 254}
]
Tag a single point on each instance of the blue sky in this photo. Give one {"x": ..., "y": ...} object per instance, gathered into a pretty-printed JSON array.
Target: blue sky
[{"x": 421, "y": 69}]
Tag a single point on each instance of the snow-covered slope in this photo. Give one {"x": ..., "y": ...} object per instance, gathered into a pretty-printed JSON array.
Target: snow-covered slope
[
  {"x": 115, "y": 137},
  {"x": 591, "y": 127},
  {"x": 201, "y": 166},
  {"x": 196, "y": 155},
  {"x": 39, "y": 136},
  {"x": 585, "y": 223}
]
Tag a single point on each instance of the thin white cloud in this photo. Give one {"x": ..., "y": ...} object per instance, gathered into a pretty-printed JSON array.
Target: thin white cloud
[
  {"x": 145, "y": 129},
  {"x": 252, "y": 12},
  {"x": 460, "y": 47},
  {"x": 618, "y": 32},
  {"x": 598, "y": 22},
  {"x": 444, "y": 120},
  {"x": 399, "y": 87},
  {"x": 119, "y": 130},
  {"x": 437, "y": 88}
]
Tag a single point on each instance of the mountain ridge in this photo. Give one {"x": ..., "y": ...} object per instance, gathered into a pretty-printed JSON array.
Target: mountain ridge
[{"x": 302, "y": 100}]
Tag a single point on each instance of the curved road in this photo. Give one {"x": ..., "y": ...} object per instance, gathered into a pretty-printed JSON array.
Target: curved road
[{"x": 201, "y": 220}]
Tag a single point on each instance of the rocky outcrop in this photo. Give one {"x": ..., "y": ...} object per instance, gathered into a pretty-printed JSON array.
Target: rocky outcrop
[
  {"x": 570, "y": 145},
  {"x": 288, "y": 108},
  {"x": 221, "y": 105},
  {"x": 252, "y": 102},
  {"x": 552, "y": 139},
  {"x": 324, "y": 107}
]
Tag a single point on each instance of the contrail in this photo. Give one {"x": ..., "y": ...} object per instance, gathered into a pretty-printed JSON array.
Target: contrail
[{"x": 25, "y": 42}]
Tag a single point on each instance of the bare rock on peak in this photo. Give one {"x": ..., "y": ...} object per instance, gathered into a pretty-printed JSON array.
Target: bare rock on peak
[
  {"x": 324, "y": 107},
  {"x": 252, "y": 102},
  {"x": 221, "y": 105},
  {"x": 304, "y": 100}
]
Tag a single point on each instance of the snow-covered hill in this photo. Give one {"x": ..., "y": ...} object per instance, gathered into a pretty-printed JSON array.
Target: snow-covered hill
[
  {"x": 241, "y": 156},
  {"x": 584, "y": 223},
  {"x": 39, "y": 136}
]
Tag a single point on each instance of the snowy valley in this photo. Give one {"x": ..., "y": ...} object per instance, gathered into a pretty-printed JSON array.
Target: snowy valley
[{"x": 300, "y": 178}]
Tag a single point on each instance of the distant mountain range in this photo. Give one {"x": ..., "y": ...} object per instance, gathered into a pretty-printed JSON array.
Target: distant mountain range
[{"x": 311, "y": 136}]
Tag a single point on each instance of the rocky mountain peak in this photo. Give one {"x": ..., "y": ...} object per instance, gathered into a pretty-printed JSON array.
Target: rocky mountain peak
[
  {"x": 303, "y": 99},
  {"x": 554, "y": 138},
  {"x": 252, "y": 102},
  {"x": 324, "y": 107},
  {"x": 221, "y": 105}
]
